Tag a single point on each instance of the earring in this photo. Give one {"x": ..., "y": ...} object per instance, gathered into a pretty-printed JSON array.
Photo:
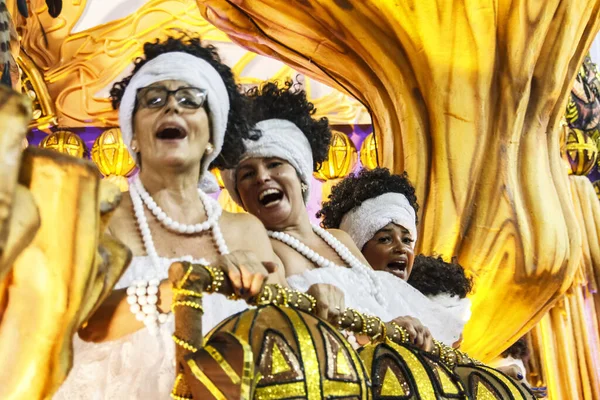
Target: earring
[
  {"x": 134, "y": 148},
  {"x": 209, "y": 148},
  {"x": 304, "y": 187}
]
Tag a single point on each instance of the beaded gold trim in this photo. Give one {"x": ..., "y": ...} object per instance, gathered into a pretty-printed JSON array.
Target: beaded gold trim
[
  {"x": 174, "y": 394},
  {"x": 185, "y": 277},
  {"x": 217, "y": 277},
  {"x": 184, "y": 344},
  {"x": 187, "y": 303},
  {"x": 186, "y": 292}
]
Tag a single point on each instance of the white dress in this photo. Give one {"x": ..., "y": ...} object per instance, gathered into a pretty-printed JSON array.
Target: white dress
[
  {"x": 139, "y": 365},
  {"x": 401, "y": 299}
]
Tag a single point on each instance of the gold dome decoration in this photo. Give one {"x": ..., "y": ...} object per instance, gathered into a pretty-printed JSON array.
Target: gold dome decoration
[
  {"x": 368, "y": 152},
  {"x": 296, "y": 355},
  {"x": 112, "y": 157},
  {"x": 64, "y": 142},
  {"x": 581, "y": 151},
  {"x": 342, "y": 158},
  {"x": 402, "y": 372}
]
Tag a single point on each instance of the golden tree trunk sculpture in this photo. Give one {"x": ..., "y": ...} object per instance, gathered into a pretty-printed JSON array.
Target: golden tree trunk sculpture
[
  {"x": 56, "y": 263},
  {"x": 466, "y": 96}
]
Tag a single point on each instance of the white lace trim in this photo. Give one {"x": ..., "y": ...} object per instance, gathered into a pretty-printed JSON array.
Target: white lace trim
[{"x": 402, "y": 299}]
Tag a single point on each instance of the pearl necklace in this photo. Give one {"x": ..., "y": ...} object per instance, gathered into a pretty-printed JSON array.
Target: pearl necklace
[
  {"x": 138, "y": 208},
  {"x": 341, "y": 251},
  {"x": 167, "y": 221}
]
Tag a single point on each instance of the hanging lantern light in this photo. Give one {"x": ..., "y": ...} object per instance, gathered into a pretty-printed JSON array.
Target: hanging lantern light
[
  {"x": 581, "y": 151},
  {"x": 342, "y": 158},
  {"x": 112, "y": 157},
  {"x": 368, "y": 152},
  {"x": 65, "y": 142}
]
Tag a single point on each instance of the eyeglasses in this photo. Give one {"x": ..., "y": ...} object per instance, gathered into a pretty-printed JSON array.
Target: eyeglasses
[{"x": 157, "y": 96}]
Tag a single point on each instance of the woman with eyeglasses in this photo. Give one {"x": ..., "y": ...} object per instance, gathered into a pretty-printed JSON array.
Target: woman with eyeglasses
[{"x": 180, "y": 113}]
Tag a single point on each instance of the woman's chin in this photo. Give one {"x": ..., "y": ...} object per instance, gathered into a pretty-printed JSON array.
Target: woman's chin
[{"x": 274, "y": 218}]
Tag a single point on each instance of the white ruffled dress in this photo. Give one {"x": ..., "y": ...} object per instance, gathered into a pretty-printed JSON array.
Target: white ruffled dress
[
  {"x": 139, "y": 365},
  {"x": 445, "y": 324}
]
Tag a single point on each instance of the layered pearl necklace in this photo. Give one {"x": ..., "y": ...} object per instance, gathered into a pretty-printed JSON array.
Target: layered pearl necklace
[
  {"x": 341, "y": 251},
  {"x": 168, "y": 222},
  {"x": 142, "y": 295},
  {"x": 212, "y": 208}
]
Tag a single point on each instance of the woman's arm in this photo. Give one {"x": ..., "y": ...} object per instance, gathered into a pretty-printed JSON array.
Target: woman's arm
[
  {"x": 249, "y": 234},
  {"x": 113, "y": 319}
]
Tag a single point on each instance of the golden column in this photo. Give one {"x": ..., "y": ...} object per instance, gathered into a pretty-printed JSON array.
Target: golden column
[{"x": 466, "y": 96}]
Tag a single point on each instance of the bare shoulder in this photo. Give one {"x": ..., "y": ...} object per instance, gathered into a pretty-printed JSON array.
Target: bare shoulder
[
  {"x": 343, "y": 237},
  {"x": 122, "y": 216},
  {"x": 242, "y": 220},
  {"x": 242, "y": 228}
]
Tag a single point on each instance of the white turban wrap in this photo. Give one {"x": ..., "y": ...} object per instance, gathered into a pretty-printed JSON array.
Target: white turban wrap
[
  {"x": 196, "y": 72},
  {"x": 363, "y": 222},
  {"x": 282, "y": 139}
]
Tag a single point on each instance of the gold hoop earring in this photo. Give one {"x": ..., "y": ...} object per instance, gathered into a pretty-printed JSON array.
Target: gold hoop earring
[{"x": 209, "y": 148}]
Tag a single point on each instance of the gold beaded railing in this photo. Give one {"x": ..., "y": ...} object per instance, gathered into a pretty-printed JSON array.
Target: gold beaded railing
[{"x": 190, "y": 281}]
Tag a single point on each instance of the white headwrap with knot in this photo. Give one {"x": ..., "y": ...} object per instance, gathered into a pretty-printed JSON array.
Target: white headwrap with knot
[
  {"x": 363, "y": 222},
  {"x": 282, "y": 139},
  {"x": 196, "y": 72}
]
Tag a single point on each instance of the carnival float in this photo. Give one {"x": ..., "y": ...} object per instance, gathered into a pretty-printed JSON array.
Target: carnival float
[{"x": 492, "y": 108}]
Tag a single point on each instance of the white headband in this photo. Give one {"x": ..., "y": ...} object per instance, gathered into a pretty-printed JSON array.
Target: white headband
[
  {"x": 196, "y": 72},
  {"x": 282, "y": 139},
  {"x": 363, "y": 222}
]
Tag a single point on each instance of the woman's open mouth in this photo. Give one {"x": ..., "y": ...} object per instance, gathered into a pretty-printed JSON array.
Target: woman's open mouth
[
  {"x": 171, "y": 133},
  {"x": 270, "y": 197},
  {"x": 398, "y": 268}
]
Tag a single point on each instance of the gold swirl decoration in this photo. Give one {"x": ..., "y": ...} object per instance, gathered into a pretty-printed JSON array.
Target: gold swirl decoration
[
  {"x": 33, "y": 85},
  {"x": 469, "y": 106},
  {"x": 79, "y": 67}
]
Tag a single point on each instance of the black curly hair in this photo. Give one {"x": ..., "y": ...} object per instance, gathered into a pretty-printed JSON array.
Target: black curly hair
[
  {"x": 365, "y": 185},
  {"x": 432, "y": 275},
  {"x": 238, "y": 127},
  {"x": 519, "y": 350},
  {"x": 270, "y": 101}
]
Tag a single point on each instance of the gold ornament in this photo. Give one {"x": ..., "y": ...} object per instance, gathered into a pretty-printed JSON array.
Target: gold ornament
[
  {"x": 342, "y": 158},
  {"x": 217, "y": 173},
  {"x": 581, "y": 151},
  {"x": 34, "y": 86},
  {"x": 228, "y": 204},
  {"x": 295, "y": 354},
  {"x": 112, "y": 157},
  {"x": 64, "y": 142},
  {"x": 368, "y": 152},
  {"x": 397, "y": 370}
]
